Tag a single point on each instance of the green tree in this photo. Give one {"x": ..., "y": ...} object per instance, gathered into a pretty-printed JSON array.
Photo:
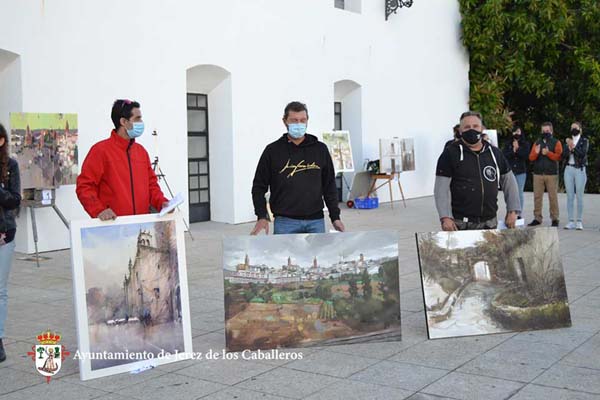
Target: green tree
[
  {"x": 367, "y": 289},
  {"x": 533, "y": 61},
  {"x": 353, "y": 289}
]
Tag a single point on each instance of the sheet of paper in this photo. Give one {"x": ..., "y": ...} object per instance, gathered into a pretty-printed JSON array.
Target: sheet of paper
[
  {"x": 173, "y": 203},
  {"x": 519, "y": 224},
  {"x": 46, "y": 197}
]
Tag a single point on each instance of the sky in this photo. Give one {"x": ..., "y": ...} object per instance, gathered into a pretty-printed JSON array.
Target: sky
[
  {"x": 107, "y": 250},
  {"x": 460, "y": 239},
  {"x": 273, "y": 250},
  {"x": 42, "y": 121}
]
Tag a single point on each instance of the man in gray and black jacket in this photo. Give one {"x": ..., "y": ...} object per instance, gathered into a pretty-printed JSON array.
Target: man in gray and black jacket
[{"x": 468, "y": 177}]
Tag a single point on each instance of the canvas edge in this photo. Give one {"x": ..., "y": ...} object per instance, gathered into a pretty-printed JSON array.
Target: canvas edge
[{"x": 422, "y": 286}]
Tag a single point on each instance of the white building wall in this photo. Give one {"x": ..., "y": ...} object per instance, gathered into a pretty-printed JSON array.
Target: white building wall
[{"x": 80, "y": 56}]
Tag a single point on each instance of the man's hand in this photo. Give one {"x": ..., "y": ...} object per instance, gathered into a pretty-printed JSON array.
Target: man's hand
[
  {"x": 166, "y": 204},
  {"x": 511, "y": 220},
  {"x": 537, "y": 149},
  {"x": 261, "y": 224},
  {"x": 448, "y": 224},
  {"x": 107, "y": 215},
  {"x": 545, "y": 151},
  {"x": 339, "y": 226}
]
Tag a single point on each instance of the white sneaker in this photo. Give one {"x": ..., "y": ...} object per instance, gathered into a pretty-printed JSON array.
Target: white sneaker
[
  {"x": 579, "y": 225},
  {"x": 570, "y": 225}
]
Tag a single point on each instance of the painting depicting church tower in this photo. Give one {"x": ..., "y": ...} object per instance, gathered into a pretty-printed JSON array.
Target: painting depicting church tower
[{"x": 132, "y": 289}]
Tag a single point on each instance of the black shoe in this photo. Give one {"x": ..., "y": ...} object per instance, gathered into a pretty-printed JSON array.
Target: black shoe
[
  {"x": 535, "y": 222},
  {"x": 555, "y": 223},
  {"x": 2, "y": 352}
]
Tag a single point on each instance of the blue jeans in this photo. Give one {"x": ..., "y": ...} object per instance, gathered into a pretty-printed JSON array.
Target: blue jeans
[
  {"x": 285, "y": 225},
  {"x": 575, "y": 180},
  {"x": 6, "y": 256},
  {"x": 521, "y": 178}
]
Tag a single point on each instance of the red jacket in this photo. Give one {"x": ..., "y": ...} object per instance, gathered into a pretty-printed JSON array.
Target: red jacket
[{"x": 117, "y": 174}]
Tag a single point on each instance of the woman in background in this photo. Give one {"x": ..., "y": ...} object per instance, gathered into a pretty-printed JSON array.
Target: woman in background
[
  {"x": 10, "y": 200},
  {"x": 575, "y": 155}
]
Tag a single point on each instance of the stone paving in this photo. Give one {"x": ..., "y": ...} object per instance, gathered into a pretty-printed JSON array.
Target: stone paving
[{"x": 556, "y": 364}]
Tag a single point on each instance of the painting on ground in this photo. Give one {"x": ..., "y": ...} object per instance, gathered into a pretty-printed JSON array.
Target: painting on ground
[
  {"x": 340, "y": 149},
  {"x": 45, "y": 146},
  {"x": 311, "y": 290},
  {"x": 482, "y": 282},
  {"x": 130, "y": 292}
]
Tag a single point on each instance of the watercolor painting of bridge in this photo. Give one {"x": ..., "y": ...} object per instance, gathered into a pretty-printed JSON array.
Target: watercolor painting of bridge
[{"x": 483, "y": 282}]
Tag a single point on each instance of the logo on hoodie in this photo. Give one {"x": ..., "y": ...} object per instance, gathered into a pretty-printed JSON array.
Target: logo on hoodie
[{"x": 300, "y": 167}]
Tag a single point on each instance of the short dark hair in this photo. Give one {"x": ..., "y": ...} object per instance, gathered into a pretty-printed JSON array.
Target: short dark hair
[
  {"x": 471, "y": 114},
  {"x": 456, "y": 129},
  {"x": 516, "y": 128},
  {"x": 294, "y": 106},
  {"x": 122, "y": 109}
]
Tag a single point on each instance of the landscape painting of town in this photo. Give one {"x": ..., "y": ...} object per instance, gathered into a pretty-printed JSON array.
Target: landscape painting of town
[
  {"x": 45, "y": 146},
  {"x": 132, "y": 289},
  {"x": 338, "y": 143},
  {"x": 311, "y": 290},
  {"x": 482, "y": 282}
]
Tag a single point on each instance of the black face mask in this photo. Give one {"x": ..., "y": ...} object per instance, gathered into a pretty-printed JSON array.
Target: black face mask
[
  {"x": 517, "y": 137},
  {"x": 471, "y": 136},
  {"x": 575, "y": 132},
  {"x": 546, "y": 135}
]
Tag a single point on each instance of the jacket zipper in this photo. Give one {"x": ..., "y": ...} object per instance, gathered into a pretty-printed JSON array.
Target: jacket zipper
[
  {"x": 131, "y": 176},
  {"x": 482, "y": 187}
]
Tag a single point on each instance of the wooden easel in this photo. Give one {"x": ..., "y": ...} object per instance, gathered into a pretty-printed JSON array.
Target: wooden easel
[{"x": 388, "y": 178}]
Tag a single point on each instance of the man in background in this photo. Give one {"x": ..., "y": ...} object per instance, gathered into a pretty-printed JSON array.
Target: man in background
[{"x": 545, "y": 154}]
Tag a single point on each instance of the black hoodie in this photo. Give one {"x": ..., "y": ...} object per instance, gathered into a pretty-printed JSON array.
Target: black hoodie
[{"x": 299, "y": 178}]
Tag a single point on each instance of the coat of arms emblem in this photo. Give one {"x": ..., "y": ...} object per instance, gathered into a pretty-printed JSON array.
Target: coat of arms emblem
[{"x": 48, "y": 354}]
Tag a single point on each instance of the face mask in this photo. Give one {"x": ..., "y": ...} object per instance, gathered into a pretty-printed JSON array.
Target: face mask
[
  {"x": 471, "y": 136},
  {"x": 547, "y": 135},
  {"x": 296, "y": 131},
  {"x": 516, "y": 137},
  {"x": 575, "y": 132},
  {"x": 138, "y": 129}
]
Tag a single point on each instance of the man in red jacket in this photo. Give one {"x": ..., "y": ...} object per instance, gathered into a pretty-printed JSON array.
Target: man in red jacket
[{"x": 117, "y": 178}]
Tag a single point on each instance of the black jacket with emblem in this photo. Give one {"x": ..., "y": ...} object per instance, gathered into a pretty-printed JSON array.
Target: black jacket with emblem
[
  {"x": 299, "y": 179},
  {"x": 475, "y": 178}
]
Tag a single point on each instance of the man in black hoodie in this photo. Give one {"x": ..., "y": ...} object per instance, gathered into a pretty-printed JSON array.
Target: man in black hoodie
[
  {"x": 468, "y": 177},
  {"x": 298, "y": 171}
]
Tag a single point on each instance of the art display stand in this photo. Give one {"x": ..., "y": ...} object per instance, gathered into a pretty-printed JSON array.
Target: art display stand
[
  {"x": 40, "y": 198},
  {"x": 160, "y": 175},
  {"x": 388, "y": 178}
]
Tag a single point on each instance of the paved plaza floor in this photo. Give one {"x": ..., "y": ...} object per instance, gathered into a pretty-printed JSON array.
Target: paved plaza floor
[{"x": 554, "y": 364}]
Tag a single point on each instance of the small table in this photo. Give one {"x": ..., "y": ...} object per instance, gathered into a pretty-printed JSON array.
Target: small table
[{"x": 388, "y": 179}]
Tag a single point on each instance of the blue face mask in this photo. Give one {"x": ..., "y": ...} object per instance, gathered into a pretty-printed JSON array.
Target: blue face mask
[
  {"x": 296, "y": 131},
  {"x": 138, "y": 129}
]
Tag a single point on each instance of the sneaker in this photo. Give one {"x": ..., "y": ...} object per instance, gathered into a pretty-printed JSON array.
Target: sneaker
[
  {"x": 535, "y": 222},
  {"x": 570, "y": 225},
  {"x": 555, "y": 223},
  {"x": 2, "y": 352},
  {"x": 579, "y": 226}
]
